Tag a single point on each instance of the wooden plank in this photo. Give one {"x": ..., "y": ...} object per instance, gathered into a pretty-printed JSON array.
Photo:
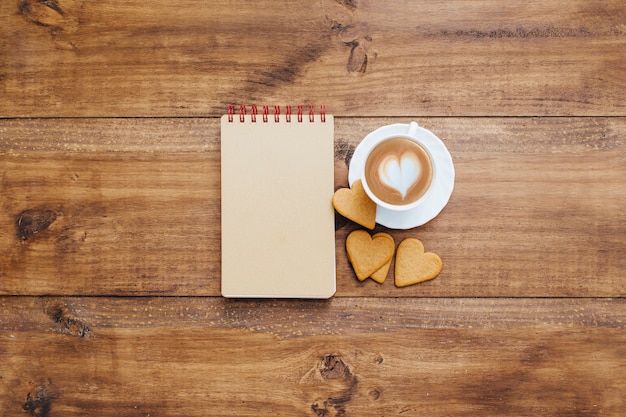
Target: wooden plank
[
  {"x": 131, "y": 207},
  {"x": 121, "y": 58},
  {"x": 346, "y": 356}
]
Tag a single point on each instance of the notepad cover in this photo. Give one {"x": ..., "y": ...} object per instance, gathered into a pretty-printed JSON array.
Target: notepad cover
[{"x": 277, "y": 182}]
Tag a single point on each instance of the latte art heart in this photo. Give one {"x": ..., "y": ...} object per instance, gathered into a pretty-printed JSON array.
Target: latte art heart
[
  {"x": 397, "y": 171},
  {"x": 400, "y": 173}
]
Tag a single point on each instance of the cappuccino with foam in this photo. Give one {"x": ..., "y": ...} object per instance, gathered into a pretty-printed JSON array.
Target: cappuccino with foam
[{"x": 398, "y": 171}]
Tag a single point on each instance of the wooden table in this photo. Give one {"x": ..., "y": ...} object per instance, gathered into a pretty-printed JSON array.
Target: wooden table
[{"x": 110, "y": 209}]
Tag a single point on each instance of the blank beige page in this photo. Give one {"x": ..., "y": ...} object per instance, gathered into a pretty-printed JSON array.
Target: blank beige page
[{"x": 278, "y": 235}]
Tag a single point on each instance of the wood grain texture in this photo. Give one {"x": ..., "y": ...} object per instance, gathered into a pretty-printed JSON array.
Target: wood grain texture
[
  {"x": 110, "y": 224},
  {"x": 537, "y": 209},
  {"x": 345, "y": 356},
  {"x": 184, "y": 58}
]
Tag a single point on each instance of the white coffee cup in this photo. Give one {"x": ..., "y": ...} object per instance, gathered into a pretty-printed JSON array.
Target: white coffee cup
[{"x": 399, "y": 170}]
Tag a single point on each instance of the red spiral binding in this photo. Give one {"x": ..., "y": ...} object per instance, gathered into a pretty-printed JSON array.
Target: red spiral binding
[
  {"x": 288, "y": 114},
  {"x": 231, "y": 112},
  {"x": 265, "y": 111},
  {"x": 277, "y": 114},
  {"x": 254, "y": 113}
]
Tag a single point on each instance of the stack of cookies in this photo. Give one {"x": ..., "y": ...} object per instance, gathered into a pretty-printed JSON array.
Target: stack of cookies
[{"x": 371, "y": 256}]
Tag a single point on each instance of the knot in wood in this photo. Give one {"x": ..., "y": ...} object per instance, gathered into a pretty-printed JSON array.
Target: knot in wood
[
  {"x": 334, "y": 368},
  {"x": 31, "y": 222}
]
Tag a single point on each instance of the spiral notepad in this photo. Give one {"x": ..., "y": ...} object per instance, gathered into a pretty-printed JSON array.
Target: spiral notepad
[{"x": 278, "y": 237}]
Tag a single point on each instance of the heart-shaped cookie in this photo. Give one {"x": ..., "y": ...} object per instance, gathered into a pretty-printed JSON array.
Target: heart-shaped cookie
[
  {"x": 368, "y": 254},
  {"x": 354, "y": 204},
  {"x": 413, "y": 265},
  {"x": 381, "y": 275}
]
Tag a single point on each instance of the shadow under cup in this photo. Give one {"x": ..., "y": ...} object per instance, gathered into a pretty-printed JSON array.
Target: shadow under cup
[{"x": 398, "y": 172}]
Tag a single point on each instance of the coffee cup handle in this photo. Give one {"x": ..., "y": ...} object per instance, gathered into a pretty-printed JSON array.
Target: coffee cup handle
[{"x": 412, "y": 129}]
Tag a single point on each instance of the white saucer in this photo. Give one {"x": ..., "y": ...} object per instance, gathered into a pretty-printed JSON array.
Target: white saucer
[{"x": 443, "y": 182}]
